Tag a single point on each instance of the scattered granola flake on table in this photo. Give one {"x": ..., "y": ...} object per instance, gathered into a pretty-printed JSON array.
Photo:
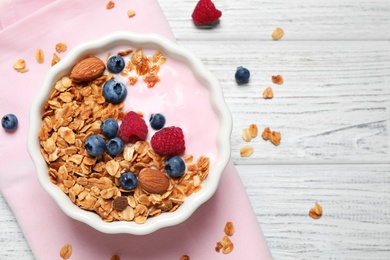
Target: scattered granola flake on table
[
  {"x": 268, "y": 93},
  {"x": 66, "y": 251},
  {"x": 61, "y": 47},
  {"x": 273, "y": 136},
  {"x": 316, "y": 211},
  {"x": 131, "y": 13},
  {"x": 229, "y": 228},
  {"x": 225, "y": 245},
  {"x": 39, "y": 56},
  {"x": 246, "y": 151},
  {"x": 249, "y": 132},
  {"x": 110, "y": 5},
  {"x": 277, "y": 79},
  {"x": 277, "y": 33},
  {"x": 184, "y": 257},
  {"x": 20, "y": 66}
]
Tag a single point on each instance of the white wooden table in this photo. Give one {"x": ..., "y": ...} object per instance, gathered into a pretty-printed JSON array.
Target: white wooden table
[{"x": 333, "y": 112}]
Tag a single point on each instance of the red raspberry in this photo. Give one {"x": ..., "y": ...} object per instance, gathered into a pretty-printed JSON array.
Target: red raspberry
[
  {"x": 205, "y": 13},
  {"x": 133, "y": 128},
  {"x": 169, "y": 141}
]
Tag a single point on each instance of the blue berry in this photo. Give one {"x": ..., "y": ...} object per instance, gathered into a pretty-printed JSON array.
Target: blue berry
[
  {"x": 157, "y": 121},
  {"x": 175, "y": 166},
  {"x": 9, "y": 122},
  {"x": 128, "y": 181},
  {"x": 242, "y": 75},
  {"x": 115, "y": 64},
  {"x": 115, "y": 146},
  {"x": 95, "y": 145},
  {"x": 109, "y": 127},
  {"x": 114, "y": 91}
]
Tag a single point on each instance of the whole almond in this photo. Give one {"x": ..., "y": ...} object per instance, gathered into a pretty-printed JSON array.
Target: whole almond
[
  {"x": 88, "y": 69},
  {"x": 153, "y": 181}
]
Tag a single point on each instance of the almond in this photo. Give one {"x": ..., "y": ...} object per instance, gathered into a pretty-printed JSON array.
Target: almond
[
  {"x": 153, "y": 181},
  {"x": 88, "y": 69}
]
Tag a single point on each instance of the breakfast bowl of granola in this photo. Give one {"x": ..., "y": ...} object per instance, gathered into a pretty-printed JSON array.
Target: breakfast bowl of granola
[{"x": 130, "y": 133}]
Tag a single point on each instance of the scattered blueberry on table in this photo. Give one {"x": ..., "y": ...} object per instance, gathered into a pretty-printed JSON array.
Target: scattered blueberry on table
[
  {"x": 242, "y": 75},
  {"x": 9, "y": 122}
]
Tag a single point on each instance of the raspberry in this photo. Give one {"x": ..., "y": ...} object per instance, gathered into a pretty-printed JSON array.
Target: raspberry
[
  {"x": 168, "y": 141},
  {"x": 205, "y": 13},
  {"x": 133, "y": 128}
]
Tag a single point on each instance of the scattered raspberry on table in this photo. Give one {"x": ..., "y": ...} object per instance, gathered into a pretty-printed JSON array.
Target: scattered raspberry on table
[{"x": 205, "y": 13}]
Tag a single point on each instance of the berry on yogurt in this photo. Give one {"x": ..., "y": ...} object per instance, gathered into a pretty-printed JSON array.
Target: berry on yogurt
[
  {"x": 128, "y": 181},
  {"x": 109, "y": 127},
  {"x": 95, "y": 145},
  {"x": 9, "y": 122},
  {"x": 114, "y": 92},
  {"x": 242, "y": 75},
  {"x": 115, "y": 146},
  {"x": 157, "y": 121},
  {"x": 175, "y": 166},
  {"x": 116, "y": 64}
]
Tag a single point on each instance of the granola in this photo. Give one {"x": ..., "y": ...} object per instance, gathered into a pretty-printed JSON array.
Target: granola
[{"x": 75, "y": 111}]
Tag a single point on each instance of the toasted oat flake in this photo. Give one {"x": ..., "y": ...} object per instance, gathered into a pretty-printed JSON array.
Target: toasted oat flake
[
  {"x": 130, "y": 13},
  {"x": 316, "y": 211},
  {"x": 268, "y": 93},
  {"x": 274, "y": 137},
  {"x": 20, "y": 66},
  {"x": 115, "y": 257},
  {"x": 277, "y": 79},
  {"x": 184, "y": 257},
  {"x": 277, "y": 33},
  {"x": 61, "y": 47},
  {"x": 253, "y": 130},
  {"x": 246, "y": 151},
  {"x": 110, "y": 5},
  {"x": 229, "y": 228},
  {"x": 39, "y": 56},
  {"x": 246, "y": 134},
  {"x": 66, "y": 251},
  {"x": 55, "y": 59}
]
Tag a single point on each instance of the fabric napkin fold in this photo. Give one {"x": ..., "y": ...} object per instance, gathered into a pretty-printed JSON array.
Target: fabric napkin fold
[{"x": 44, "y": 225}]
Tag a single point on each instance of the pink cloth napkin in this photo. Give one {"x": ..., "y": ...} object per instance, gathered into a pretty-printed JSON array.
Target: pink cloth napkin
[{"x": 44, "y": 225}]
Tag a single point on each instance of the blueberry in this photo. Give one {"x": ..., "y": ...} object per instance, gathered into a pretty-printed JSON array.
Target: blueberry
[
  {"x": 115, "y": 146},
  {"x": 9, "y": 122},
  {"x": 115, "y": 64},
  {"x": 175, "y": 166},
  {"x": 109, "y": 127},
  {"x": 242, "y": 75},
  {"x": 157, "y": 121},
  {"x": 114, "y": 91},
  {"x": 128, "y": 181},
  {"x": 95, "y": 145}
]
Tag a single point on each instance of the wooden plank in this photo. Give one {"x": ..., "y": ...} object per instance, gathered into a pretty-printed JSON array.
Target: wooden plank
[
  {"x": 332, "y": 108},
  {"x": 356, "y": 209},
  {"x": 301, "y": 20}
]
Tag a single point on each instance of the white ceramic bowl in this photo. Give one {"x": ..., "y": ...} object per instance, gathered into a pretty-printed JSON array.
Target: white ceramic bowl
[{"x": 169, "y": 49}]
